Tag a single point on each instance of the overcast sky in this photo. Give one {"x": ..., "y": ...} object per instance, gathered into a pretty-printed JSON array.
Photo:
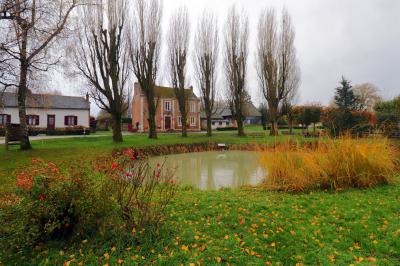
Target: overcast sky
[{"x": 359, "y": 39}]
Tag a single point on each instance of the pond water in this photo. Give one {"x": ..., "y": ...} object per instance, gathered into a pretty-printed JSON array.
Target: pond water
[{"x": 215, "y": 170}]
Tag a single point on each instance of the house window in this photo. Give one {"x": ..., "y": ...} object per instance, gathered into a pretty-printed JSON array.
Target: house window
[
  {"x": 192, "y": 121},
  {"x": 220, "y": 123},
  {"x": 179, "y": 121},
  {"x": 32, "y": 120},
  {"x": 5, "y": 119},
  {"x": 167, "y": 106},
  {"x": 192, "y": 107},
  {"x": 70, "y": 120}
]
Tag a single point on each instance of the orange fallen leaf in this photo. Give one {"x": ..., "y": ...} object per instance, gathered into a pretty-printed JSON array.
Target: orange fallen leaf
[{"x": 203, "y": 247}]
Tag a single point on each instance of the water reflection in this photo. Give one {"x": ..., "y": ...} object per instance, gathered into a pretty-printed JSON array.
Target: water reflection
[{"x": 215, "y": 170}]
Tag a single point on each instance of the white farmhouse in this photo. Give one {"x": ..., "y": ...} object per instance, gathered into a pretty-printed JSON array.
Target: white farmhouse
[{"x": 46, "y": 111}]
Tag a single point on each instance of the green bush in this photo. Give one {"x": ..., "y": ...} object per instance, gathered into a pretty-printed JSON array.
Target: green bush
[
  {"x": 226, "y": 128},
  {"x": 51, "y": 204},
  {"x": 126, "y": 120}
]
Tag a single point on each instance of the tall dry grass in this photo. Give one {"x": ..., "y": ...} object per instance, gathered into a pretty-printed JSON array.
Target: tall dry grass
[{"x": 330, "y": 164}]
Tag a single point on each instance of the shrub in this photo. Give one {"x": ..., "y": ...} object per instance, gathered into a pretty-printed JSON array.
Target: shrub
[
  {"x": 388, "y": 123},
  {"x": 356, "y": 122},
  {"x": 142, "y": 191},
  {"x": 51, "y": 204},
  {"x": 126, "y": 120},
  {"x": 330, "y": 164},
  {"x": 226, "y": 128}
]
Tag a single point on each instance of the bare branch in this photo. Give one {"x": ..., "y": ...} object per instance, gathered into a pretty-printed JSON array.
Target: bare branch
[
  {"x": 236, "y": 54},
  {"x": 205, "y": 63}
]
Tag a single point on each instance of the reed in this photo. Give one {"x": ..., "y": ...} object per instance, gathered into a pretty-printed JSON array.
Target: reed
[{"x": 330, "y": 163}]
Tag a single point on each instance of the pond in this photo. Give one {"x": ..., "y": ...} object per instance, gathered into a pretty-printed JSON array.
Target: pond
[{"x": 215, "y": 170}]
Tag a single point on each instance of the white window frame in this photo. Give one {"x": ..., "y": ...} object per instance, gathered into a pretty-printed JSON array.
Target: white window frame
[
  {"x": 179, "y": 121},
  {"x": 70, "y": 121},
  {"x": 192, "y": 107},
  {"x": 3, "y": 119},
  {"x": 168, "y": 106},
  {"x": 192, "y": 121},
  {"x": 31, "y": 120}
]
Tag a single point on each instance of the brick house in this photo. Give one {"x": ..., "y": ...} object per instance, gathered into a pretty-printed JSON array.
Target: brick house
[{"x": 167, "y": 117}]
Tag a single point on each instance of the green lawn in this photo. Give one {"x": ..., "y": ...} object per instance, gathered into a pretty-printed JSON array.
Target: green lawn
[
  {"x": 239, "y": 227},
  {"x": 232, "y": 227}
]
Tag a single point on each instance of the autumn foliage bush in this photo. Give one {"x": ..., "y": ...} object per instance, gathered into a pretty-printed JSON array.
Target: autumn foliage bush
[
  {"x": 333, "y": 164},
  {"x": 142, "y": 191},
  {"x": 51, "y": 204}
]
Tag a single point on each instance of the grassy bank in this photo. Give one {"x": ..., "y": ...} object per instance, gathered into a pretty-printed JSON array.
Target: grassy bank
[{"x": 231, "y": 227}]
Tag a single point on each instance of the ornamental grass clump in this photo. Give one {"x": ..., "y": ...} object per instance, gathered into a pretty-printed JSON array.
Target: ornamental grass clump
[{"x": 333, "y": 164}]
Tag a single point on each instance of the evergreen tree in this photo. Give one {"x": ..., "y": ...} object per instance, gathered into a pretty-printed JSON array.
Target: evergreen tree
[{"x": 345, "y": 98}]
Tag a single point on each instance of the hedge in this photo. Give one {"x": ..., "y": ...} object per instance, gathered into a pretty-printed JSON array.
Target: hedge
[{"x": 57, "y": 132}]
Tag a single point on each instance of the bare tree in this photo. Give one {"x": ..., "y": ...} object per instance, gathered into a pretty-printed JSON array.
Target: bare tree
[
  {"x": 145, "y": 43},
  {"x": 101, "y": 57},
  {"x": 178, "y": 46},
  {"x": 205, "y": 63},
  {"x": 367, "y": 96},
  {"x": 236, "y": 54},
  {"x": 30, "y": 27},
  {"x": 276, "y": 62}
]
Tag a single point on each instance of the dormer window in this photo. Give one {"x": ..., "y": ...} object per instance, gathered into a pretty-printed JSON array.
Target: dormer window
[{"x": 167, "y": 106}]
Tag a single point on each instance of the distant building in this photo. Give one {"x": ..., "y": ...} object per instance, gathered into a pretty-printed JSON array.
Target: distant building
[
  {"x": 168, "y": 117},
  {"x": 222, "y": 117},
  {"x": 46, "y": 111}
]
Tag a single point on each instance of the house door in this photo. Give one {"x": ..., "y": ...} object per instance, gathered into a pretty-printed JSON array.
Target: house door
[
  {"x": 167, "y": 122},
  {"x": 51, "y": 122}
]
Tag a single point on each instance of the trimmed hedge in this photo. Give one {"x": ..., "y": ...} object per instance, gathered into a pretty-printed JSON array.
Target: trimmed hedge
[
  {"x": 226, "y": 128},
  {"x": 57, "y": 132},
  {"x": 126, "y": 120}
]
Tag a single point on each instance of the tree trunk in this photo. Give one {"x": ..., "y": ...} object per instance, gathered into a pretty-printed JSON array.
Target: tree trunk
[
  {"x": 117, "y": 130},
  {"x": 152, "y": 120},
  {"x": 240, "y": 128},
  {"x": 290, "y": 127},
  {"x": 314, "y": 129},
  {"x": 274, "y": 128},
  {"x": 184, "y": 124},
  {"x": 22, "y": 91},
  {"x": 209, "y": 127}
]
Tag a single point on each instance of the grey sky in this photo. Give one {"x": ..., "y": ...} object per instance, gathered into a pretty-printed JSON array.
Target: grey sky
[{"x": 359, "y": 39}]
